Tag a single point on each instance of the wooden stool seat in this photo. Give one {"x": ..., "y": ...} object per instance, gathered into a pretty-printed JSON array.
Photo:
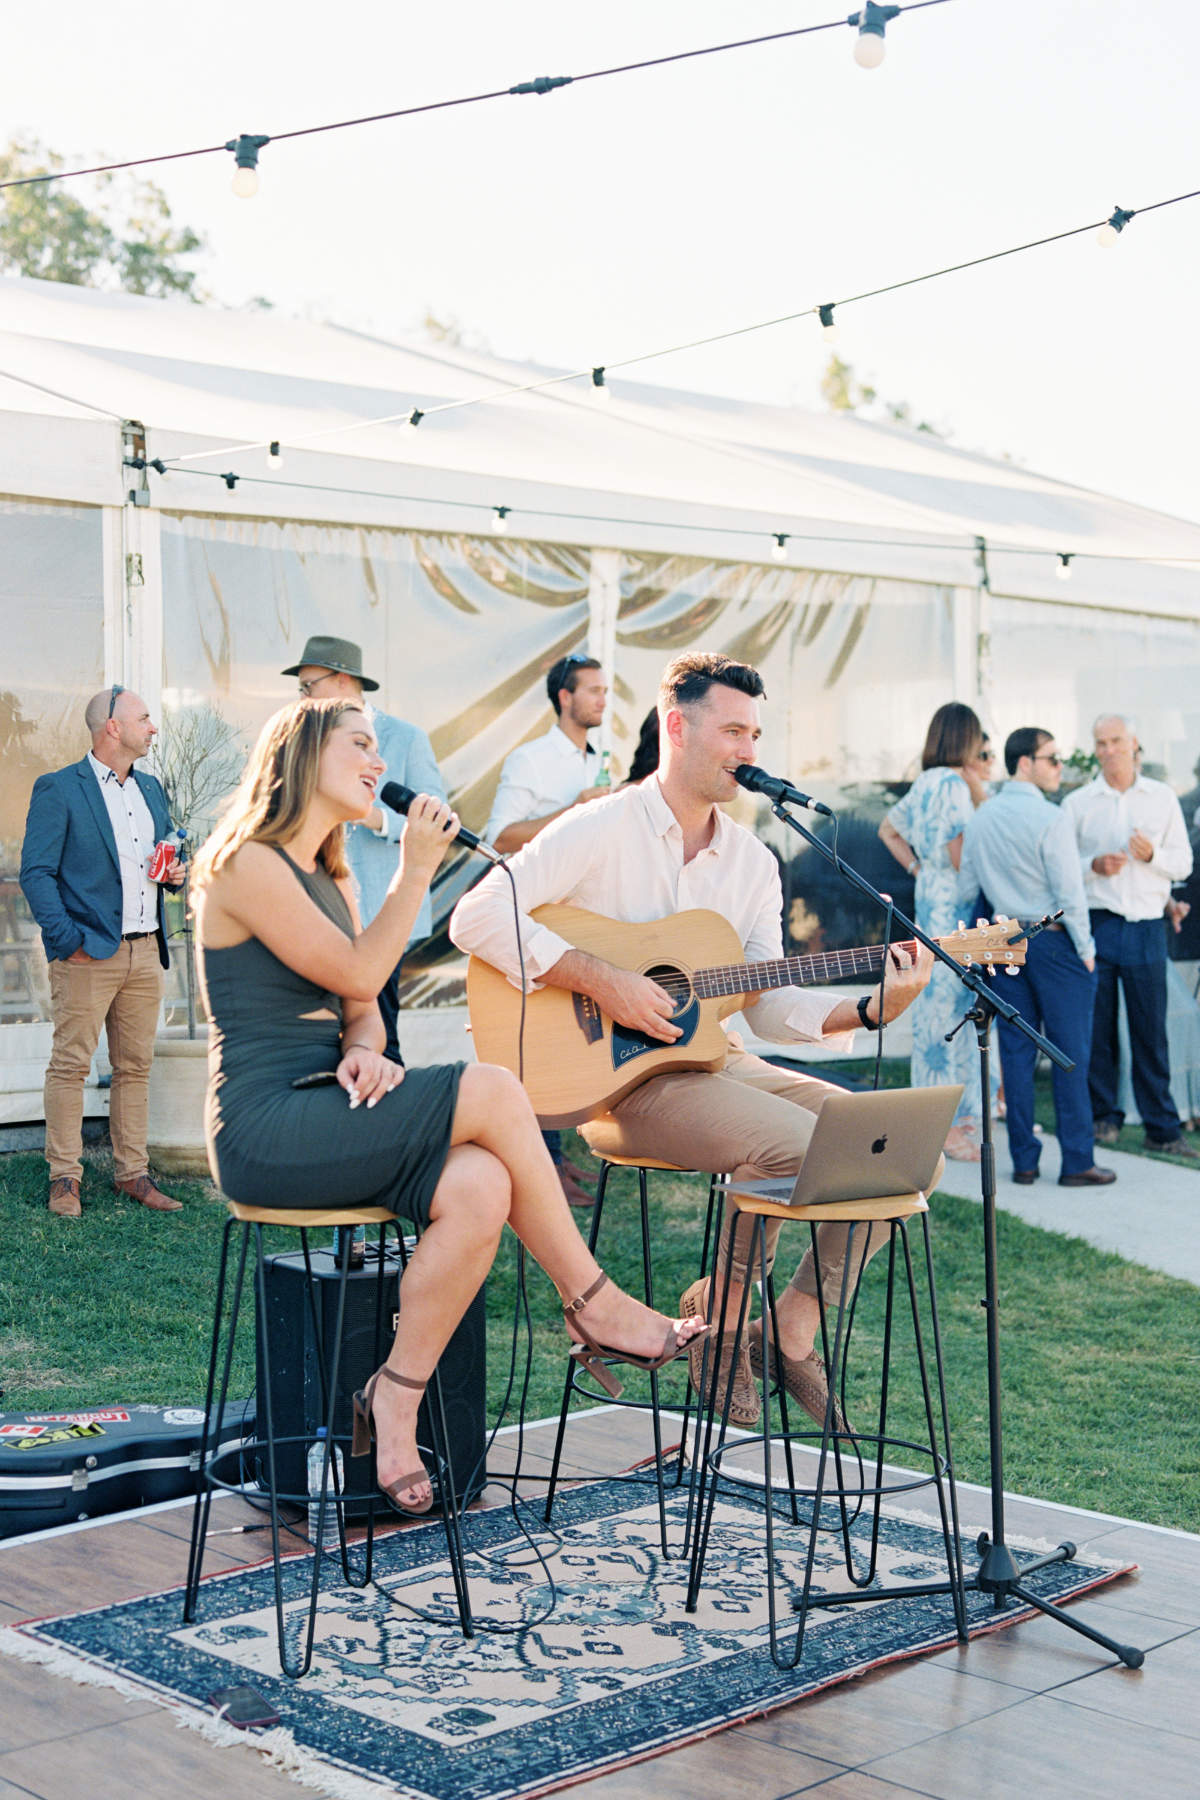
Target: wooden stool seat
[{"x": 303, "y": 1218}]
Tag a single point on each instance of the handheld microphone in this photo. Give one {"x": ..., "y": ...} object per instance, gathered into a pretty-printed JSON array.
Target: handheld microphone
[
  {"x": 757, "y": 781},
  {"x": 400, "y": 798}
]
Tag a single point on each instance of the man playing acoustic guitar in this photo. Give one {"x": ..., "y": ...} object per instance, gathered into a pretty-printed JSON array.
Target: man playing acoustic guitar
[{"x": 660, "y": 848}]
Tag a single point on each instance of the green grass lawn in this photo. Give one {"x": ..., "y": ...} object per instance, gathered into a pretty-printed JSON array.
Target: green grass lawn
[{"x": 1101, "y": 1359}]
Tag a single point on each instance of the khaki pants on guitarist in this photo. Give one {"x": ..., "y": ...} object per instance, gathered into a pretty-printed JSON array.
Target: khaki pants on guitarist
[
  {"x": 122, "y": 992},
  {"x": 750, "y": 1120}
]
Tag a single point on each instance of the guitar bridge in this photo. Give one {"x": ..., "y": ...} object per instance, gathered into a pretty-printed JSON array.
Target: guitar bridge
[{"x": 588, "y": 1018}]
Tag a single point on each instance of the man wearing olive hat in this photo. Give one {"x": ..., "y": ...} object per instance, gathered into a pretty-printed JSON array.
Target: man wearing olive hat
[{"x": 331, "y": 668}]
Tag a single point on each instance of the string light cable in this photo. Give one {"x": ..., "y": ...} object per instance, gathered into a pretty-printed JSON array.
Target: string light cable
[
  {"x": 541, "y": 85},
  {"x": 950, "y": 545},
  {"x": 823, "y": 311}
]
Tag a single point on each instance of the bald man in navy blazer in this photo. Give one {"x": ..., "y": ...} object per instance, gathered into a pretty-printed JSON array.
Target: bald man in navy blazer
[{"x": 89, "y": 837}]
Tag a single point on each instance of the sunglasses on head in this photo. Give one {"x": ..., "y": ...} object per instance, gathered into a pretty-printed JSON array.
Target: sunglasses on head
[{"x": 112, "y": 698}]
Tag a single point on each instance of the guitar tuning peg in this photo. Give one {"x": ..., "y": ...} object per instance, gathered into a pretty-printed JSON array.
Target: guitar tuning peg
[
  {"x": 981, "y": 924},
  {"x": 961, "y": 926},
  {"x": 1012, "y": 970}
]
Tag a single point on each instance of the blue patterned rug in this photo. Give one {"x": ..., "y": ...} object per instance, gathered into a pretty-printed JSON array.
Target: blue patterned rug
[{"x": 618, "y": 1671}]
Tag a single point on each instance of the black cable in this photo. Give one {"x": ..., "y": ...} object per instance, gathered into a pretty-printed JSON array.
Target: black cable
[
  {"x": 805, "y": 537},
  {"x": 541, "y": 84}
]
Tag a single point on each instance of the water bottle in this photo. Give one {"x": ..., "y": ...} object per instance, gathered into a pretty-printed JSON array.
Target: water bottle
[
  {"x": 604, "y": 776},
  {"x": 316, "y": 1463}
]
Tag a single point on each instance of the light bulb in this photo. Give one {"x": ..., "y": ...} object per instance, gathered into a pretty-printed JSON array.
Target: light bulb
[
  {"x": 274, "y": 455},
  {"x": 869, "y": 49},
  {"x": 1063, "y": 570},
  {"x": 779, "y": 547},
  {"x": 245, "y": 183},
  {"x": 500, "y": 520},
  {"x": 1112, "y": 228}
]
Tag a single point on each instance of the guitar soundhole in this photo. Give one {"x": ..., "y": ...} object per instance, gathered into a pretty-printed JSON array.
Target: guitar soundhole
[
  {"x": 677, "y": 984},
  {"x": 627, "y": 1045}
]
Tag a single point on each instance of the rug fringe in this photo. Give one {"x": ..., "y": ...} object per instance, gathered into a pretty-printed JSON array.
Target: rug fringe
[{"x": 277, "y": 1747}]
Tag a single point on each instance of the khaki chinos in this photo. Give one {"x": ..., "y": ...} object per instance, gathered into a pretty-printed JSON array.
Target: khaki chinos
[
  {"x": 749, "y": 1120},
  {"x": 123, "y": 993}
]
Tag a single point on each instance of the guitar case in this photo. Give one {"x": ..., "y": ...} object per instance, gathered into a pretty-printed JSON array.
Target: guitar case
[{"x": 57, "y": 1467}]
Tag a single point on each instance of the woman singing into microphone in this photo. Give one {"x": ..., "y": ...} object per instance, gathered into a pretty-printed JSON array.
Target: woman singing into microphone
[{"x": 290, "y": 980}]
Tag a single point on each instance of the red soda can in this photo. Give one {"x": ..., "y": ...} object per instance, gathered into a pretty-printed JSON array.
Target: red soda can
[{"x": 160, "y": 861}]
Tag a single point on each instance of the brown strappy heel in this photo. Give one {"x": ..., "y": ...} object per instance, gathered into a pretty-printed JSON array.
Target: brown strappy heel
[
  {"x": 592, "y": 1354},
  {"x": 364, "y": 1436}
]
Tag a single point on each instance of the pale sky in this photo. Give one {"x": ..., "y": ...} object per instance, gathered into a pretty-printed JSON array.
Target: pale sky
[{"x": 616, "y": 216}]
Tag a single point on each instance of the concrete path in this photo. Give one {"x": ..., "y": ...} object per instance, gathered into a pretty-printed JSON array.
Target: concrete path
[{"x": 1150, "y": 1215}]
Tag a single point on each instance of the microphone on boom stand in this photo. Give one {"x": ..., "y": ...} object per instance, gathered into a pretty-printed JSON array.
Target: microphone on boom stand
[{"x": 757, "y": 781}]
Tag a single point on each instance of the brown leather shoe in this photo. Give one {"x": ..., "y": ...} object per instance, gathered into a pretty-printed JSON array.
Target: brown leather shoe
[
  {"x": 576, "y": 1195},
  {"x": 575, "y": 1172},
  {"x": 140, "y": 1187},
  {"x": 64, "y": 1198},
  {"x": 804, "y": 1378},
  {"x": 1092, "y": 1177}
]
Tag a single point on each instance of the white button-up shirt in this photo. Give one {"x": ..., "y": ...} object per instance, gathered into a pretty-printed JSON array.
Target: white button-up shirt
[
  {"x": 541, "y": 777},
  {"x": 622, "y": 856},
  {"x": 133, "y": 829},
  {"x": 1104, "y": 818}
]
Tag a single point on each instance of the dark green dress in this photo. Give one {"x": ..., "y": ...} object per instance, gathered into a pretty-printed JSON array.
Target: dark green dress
[{"x": 272, "y": 1144}]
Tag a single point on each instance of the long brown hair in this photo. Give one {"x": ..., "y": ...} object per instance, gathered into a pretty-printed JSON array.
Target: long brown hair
[
  {"x": 955, "y": 737},
  {"x": 276, "y": 789}
]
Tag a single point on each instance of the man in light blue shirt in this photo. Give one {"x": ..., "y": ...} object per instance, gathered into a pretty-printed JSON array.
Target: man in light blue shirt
[
  {"x": 1021, "y": 851},
  {"x": 331, "y": 668}
]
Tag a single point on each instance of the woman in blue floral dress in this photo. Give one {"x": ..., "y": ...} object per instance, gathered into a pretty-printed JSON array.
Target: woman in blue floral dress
[{"x": 924, "y": 831}]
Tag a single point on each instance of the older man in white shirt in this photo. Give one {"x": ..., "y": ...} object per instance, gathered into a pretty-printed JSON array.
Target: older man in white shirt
[
  {"x": 1133, "y": 844},
  {"x": 646, "y": 852}
]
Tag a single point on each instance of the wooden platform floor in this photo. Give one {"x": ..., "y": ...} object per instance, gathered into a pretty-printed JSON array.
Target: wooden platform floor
[{"x": 1033, "y": 1709}]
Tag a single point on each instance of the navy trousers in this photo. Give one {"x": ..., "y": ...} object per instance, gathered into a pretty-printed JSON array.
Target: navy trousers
[
  {"x": 1055, "y": 994},
  {"x": 1133, "y": 952}
]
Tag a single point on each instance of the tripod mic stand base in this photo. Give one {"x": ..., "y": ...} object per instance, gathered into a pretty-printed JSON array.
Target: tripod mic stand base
[{"x": 1001, "y": 1576}]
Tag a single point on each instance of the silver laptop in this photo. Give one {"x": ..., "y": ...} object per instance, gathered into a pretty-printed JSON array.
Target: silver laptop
[{"x": 867, "y": 1145}]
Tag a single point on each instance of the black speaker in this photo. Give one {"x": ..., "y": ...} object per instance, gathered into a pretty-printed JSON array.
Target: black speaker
[{"x": 295, "y": 1385}]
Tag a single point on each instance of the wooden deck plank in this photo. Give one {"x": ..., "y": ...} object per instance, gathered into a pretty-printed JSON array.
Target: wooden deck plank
[{"x": 143, "y": 1755}]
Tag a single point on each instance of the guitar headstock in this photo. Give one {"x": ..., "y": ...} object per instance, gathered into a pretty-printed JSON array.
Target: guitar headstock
[{"x": 1001, "y": 945}]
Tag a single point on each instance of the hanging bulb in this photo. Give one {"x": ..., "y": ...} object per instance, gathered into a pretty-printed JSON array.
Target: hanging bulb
[
  {"x": 245, "y": 151},
  {"x": 829, "y": 328},
  {"x": 869, "y": 47},
  {"x": 1109, "y": 232},
  {"x": 600, "y": 388},
  {"x": 274, "y": 455},
  {"x": 1063, "y": 570},
  {"x": 500, "y": 519},
  {"x": 779, "y": 547}
]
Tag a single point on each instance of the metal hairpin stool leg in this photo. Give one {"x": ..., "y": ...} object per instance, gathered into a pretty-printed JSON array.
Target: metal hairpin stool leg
[
  {"x": 251, "y": 1219},
  {"x": 714, "y": 1464},
  {"x": 576, "y": 1382}
]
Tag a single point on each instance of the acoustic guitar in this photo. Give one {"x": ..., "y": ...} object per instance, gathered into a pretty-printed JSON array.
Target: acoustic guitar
[{"x": 578, "y": 1063}]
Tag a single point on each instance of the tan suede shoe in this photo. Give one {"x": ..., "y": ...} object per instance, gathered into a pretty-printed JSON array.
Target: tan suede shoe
[
  {"x": 140, "y": 1187},
  {"x": 64, "y": 1198}
]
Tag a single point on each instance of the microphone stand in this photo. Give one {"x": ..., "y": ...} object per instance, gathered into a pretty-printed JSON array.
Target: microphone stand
[{"x": 999, "y": 1574}]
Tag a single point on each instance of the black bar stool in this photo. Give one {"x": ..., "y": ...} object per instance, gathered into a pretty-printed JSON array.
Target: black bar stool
[
  {"x": 213, "y": 1465},
  {"x": 576, "y": 1381},
  {"x": 713, "y": 1464}
]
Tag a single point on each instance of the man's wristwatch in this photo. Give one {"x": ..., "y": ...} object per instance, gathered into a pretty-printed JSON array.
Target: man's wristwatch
[{"x": 869, "y": 1024}]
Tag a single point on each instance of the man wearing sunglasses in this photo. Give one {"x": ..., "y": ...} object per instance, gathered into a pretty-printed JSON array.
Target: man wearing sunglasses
[
  {"x": 1021, "y": 851},
  {"x": 89, "y": 838}
]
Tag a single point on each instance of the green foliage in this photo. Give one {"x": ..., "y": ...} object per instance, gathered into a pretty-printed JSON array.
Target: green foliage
[
  {"x": 842, "y": 391},
  {"x": 126, "y": 239}
]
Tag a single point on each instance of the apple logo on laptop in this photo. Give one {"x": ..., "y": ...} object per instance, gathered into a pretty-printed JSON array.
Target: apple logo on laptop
[{"x": 879, "y": 1146}]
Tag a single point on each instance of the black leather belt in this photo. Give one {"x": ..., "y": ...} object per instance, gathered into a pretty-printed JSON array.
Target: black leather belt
[{"x": 127, "y": 937}]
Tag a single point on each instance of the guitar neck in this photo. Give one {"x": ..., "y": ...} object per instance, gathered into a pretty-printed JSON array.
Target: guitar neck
[{"x": 789, "y": 971}]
